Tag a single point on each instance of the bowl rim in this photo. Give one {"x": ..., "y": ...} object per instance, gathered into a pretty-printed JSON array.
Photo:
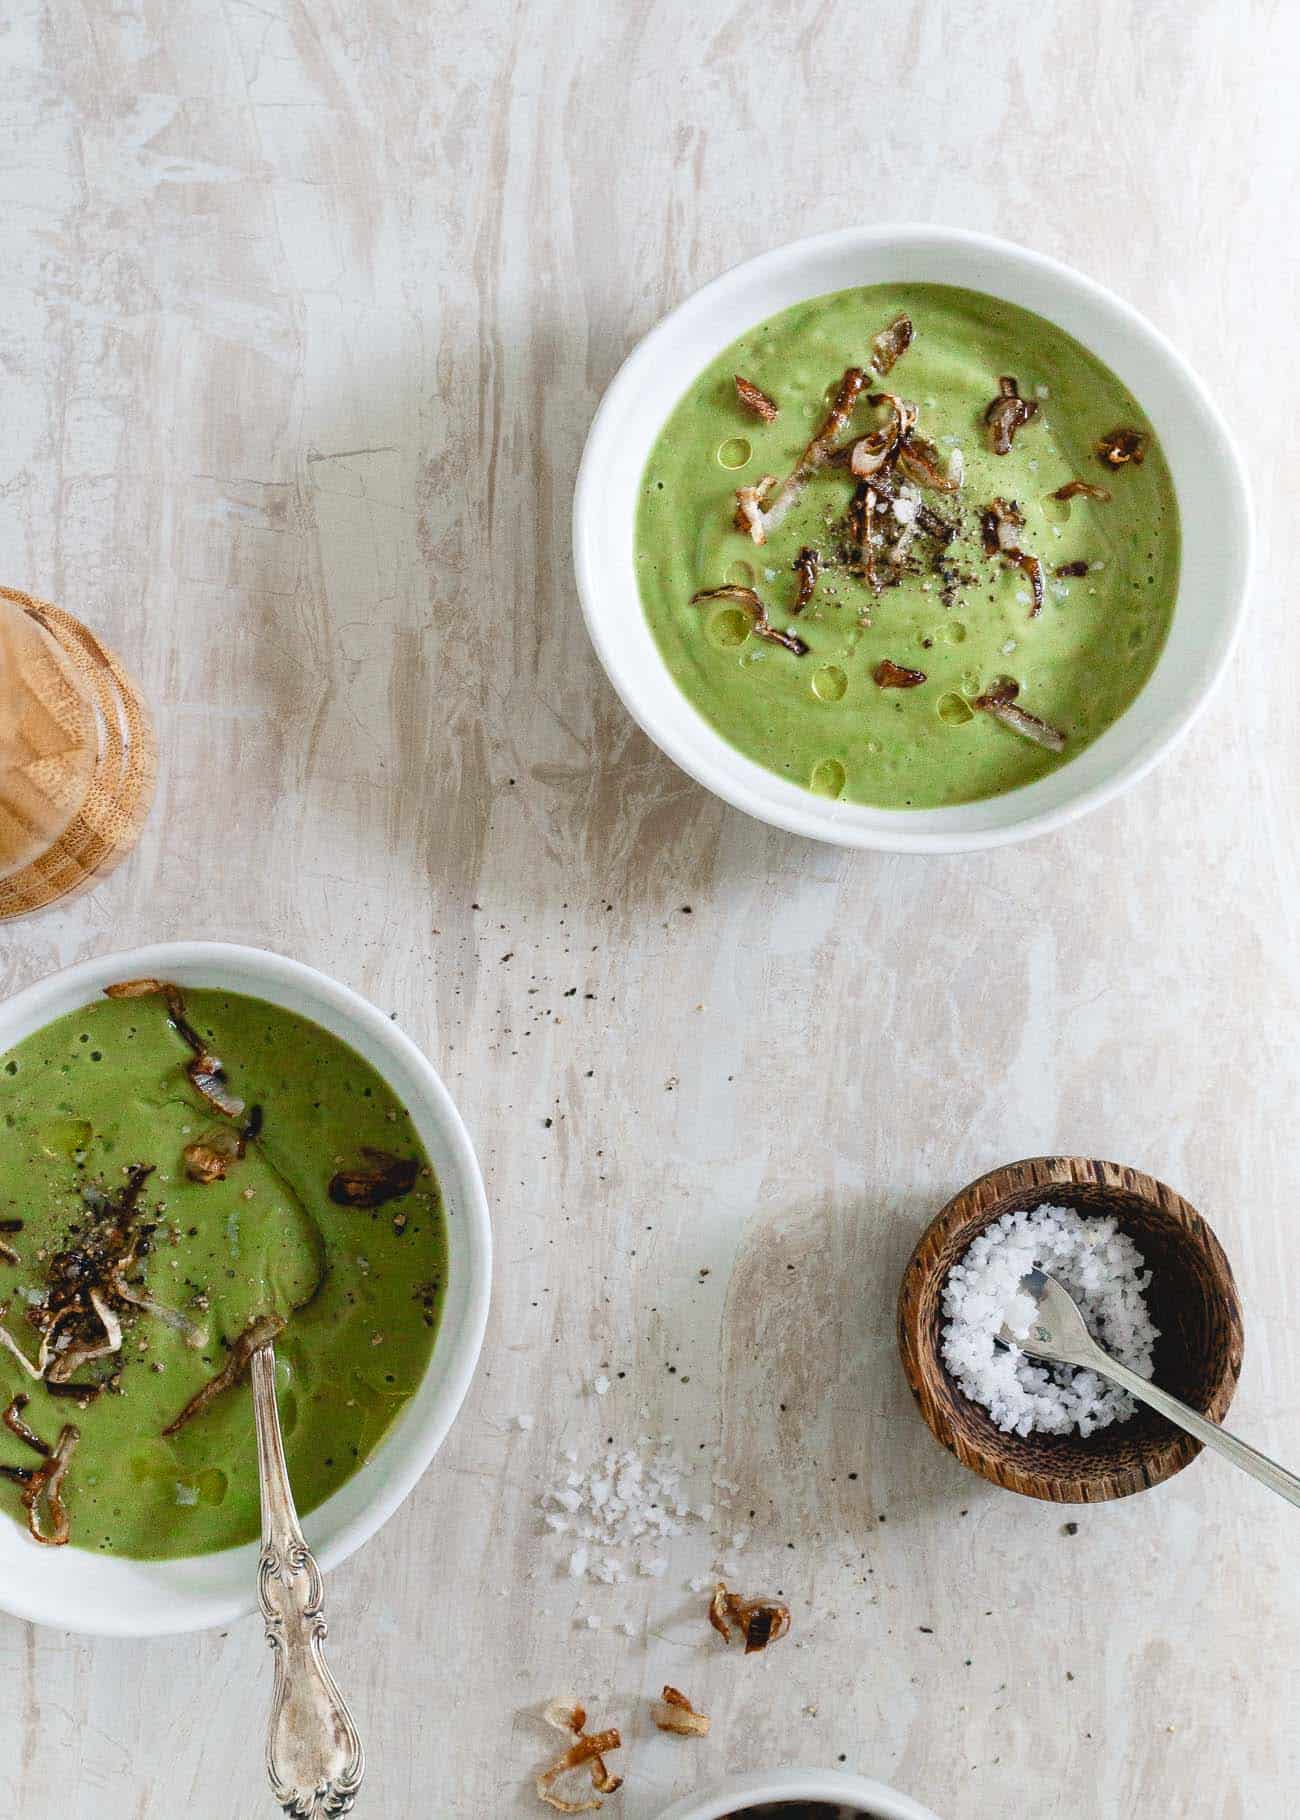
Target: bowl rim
[
  {"x": 743, "y": 783},
  {"x": 1169, "y": 1455},
  {"x": 152, "y": 1598},
  {"x": 834, "y": 1785}
]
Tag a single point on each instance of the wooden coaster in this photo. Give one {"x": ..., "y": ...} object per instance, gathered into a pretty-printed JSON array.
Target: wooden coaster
[{"x": 106, "y": 825}]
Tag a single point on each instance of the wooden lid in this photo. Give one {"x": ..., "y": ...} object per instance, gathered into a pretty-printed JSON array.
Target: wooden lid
[{"x": 115, "y": 788}]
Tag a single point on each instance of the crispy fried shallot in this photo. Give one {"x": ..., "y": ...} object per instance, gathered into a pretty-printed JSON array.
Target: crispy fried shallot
[
  {"x": 204, "y": 1071},
  {"x": 260, "y": 1330},
  {"x": 674, "y": 1713},
  {"x": 13, "y": 1421},
  {"x": 588, "y": 1747},
  {"x": 1007, "y": 413},
  {"x": 762, "y": 626},
  {"x": 85, "y": 1351},
  {"x": 817, "y": 453},
  {"x": 807, "y": 567},
  {"x": 1000, "y": 702},
  {"x": 891, "y": 343},
  {"x": 862, "y": 530},
  {"x": 749, "y": 507},
  {"x": 11, "y": 1345},
  {"x": 875, "y": 452},
  {"x": 384, "y": 1177},
  {"x": 208, "y": 1078},
  {"x": 1000, "y": 528},
  {"x": 1074, "y": 488},
  {"x": 756, "y": 400},
  {"x": 209, "y": 1159},
  {"x": 919, "y": 460},
  {"x": 1119, "y": 446},
  {"x": 1076, "y": 568},
  {"x": 44, "y": 1481},
  {"x": 758, "y": 1621},
  {"x": 889, "y": 675},
  {"x": 76, "y": 1317}
]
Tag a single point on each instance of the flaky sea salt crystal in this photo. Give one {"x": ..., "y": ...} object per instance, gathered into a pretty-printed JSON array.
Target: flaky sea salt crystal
[
  {"x": 601, "y": 1386},
  {"x": 627, "y": 1498},
  {"x": 1100, "y": 1266}
]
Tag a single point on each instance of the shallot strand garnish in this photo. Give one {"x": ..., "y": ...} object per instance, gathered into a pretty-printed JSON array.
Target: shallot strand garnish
[
  {"x": 891, "y": 343},
  {"x": 762, "y": 626},
  {"x": 209, "y": 1159},
  {"x": 749, "y": 507},
  {"x": 259, "y": 1331},
  {"x": 1000, "y": 528},
  {"x": 11, "y": 1346},
  {"x": 13, "y": 1421},
  {"x": 204, "y": 1071},
  {"x": 756, "y": 400},
  {"x": 83, "y": 1352},
  {"x": 862, "y": 529},
  {"x": 999, "y": 702},
  {"x": 1007, "y": 413},
  {"x": 889, "y": 675},
  {"x": 383, "y": 1177},
  {"x": 1073, "y": 489},
  {"x": 919, "y": 460},
  {"x": 588, "y": 1747},
  {"x": 875, "y": 452},
  {"x": 45, "y": 1482},
  {"x": 758, "y": 1621},
  {"x": 818, "y": 450},
  {"x": 1120, "y": 446},
  {"x": 674, "y": 1713}
]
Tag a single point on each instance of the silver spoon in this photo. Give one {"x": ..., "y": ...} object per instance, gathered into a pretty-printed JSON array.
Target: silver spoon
[
  {"x": 314, "y": 1755},
  {"x": 1057, "y": 1331}
]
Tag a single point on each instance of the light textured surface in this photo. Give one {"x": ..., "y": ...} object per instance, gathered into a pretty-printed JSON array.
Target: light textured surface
[{"x": 306, "y": 310}]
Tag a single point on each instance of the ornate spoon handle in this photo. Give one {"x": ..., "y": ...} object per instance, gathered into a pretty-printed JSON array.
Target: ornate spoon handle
[{"x": 314, "y": 1756}]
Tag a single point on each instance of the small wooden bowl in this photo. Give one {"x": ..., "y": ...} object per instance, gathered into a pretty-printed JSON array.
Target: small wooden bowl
[{"x": 1193, "y": 1302}]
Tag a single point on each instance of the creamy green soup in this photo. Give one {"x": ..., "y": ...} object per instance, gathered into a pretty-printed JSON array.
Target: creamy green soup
[
  {"x": 103, "y": 1093},
  {"x": 952, "y": 608}
]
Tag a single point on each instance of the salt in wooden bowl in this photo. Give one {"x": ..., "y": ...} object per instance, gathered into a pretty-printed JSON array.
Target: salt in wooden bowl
[{"x": 1192, "y": 1299}]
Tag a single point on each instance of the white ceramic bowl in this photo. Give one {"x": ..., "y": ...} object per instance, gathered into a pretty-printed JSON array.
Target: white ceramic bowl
[
  {"x": 1207, "y": 471},
  {"x": 744, "y": 1792},
  {"x": 76, "y": 1589}
]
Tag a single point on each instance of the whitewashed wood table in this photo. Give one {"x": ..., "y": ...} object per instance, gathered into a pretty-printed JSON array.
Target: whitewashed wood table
[{"x": 306, "y": 310}]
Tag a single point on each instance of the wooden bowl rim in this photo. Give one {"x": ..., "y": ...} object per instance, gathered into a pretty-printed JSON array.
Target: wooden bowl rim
[{"x": 1165, "y": 1457}]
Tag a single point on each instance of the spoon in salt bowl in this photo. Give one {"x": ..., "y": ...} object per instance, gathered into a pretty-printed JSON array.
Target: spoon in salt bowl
[{"x": 1056, "y": 1330}]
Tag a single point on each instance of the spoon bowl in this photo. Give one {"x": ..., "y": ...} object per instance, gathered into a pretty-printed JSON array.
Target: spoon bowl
[{"x": 1193, "y": 1302}]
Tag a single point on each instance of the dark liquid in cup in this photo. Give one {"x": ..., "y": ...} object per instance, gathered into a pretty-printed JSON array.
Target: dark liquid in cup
[{"x": 800, "y": 1810}]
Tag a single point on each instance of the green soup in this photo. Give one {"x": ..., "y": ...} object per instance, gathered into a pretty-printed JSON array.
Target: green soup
[
  {"x": 957, "y": 614},
  {"x": 104, "y": 1091}
]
